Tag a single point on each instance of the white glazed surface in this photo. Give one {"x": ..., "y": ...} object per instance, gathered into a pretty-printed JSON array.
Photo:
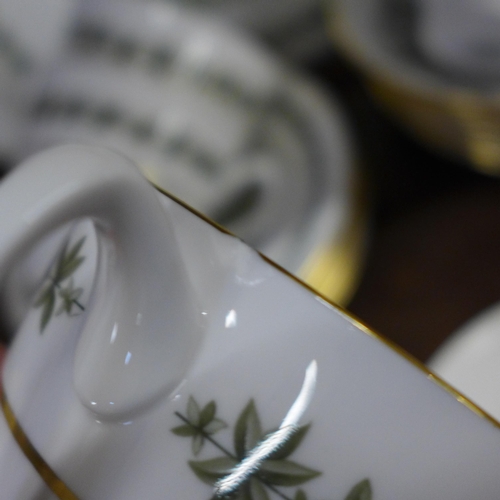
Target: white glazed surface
[
  {"x": 83, "y": 182},
  {"x": 469, "y": 360},
  {"x": 374, "y": 415}
]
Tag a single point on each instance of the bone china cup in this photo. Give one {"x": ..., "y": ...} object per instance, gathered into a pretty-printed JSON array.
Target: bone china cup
[{"x": 162, "y": 358}]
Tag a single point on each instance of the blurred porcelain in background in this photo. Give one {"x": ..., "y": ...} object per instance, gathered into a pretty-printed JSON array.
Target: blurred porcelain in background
[
  {"x": 37, "y": 28},
  {"x": 32, "y": 34},
  {"x": 295, "y": 28},
  {"x": 457, "y": 114},
  {"x": 469, "y": 360},
  {"x": 11, "y": 108},
  {"x": 211, "y": 117},
  {"x": 461, "y": 35}
]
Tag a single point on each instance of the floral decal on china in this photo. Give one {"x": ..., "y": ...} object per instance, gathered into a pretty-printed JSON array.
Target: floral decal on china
[
  {"x": 273, "y": 477},
  {"x": 59, "y": 294}
]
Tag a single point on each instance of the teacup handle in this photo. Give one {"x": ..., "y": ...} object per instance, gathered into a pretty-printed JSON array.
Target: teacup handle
[{"x": 145, "y": 301}]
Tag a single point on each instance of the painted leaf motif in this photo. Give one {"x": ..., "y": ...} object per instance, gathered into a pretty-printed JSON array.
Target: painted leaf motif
[
  {"x": 76, "y": 249},
  {"x": 185, "y": 430},
  {"x": 362, "y": 491},
  {"x": 207, "y": 414},
  {"x": 215, "y": 426},
  {"x": 292, "y": 444},
  {"x": 48, "y": 308},
  {"x": 193, "y": 412},
  {"x": 247, "y": 432},
  {"x": 257, "y": 490},
  {"x": 57, "y": 269},
  {"x": 286, "y": 473},
  {"x": 251, "y": 490},
  {"x": 66, "y": 265},
  {"x": 68, "y": 296},
  {"x": 69, "y": 268},
  {"x": 69, "y": 261},
  {"x": 43, "y": 297},
  {"x": 197, "y": 443},
  {"x": 300, "y": 495},
  {"x": 209, "y": 471},
  {"x": 243, "y": 493},
  {"x": 259, "y": 482}
]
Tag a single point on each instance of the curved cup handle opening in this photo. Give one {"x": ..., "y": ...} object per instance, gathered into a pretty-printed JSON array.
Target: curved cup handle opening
[{"x": 142, "y": 327}]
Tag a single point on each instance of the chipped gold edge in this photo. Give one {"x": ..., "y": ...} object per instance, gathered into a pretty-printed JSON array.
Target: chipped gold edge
[{"x": 354, "y": 320}]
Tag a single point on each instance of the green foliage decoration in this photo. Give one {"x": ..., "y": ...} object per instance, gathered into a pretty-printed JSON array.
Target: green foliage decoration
[
  {"x": 274, "y": 473},
  {"x": 59, "y": 289}
]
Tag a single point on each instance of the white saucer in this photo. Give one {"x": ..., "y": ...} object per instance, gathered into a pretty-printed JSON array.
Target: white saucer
[
  {"x": 456, "y": 113},
  {"x": 470, "y": 360}
]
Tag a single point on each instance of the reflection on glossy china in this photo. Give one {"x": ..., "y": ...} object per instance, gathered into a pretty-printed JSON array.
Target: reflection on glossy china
[{"x": 164, "y": 358}]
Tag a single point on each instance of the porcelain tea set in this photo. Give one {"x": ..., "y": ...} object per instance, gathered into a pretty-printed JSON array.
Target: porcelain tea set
[{"x": 155, "y": 354}]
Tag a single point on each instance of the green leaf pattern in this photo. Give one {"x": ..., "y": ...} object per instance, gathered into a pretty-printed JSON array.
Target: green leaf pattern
[
  {"x": 247, "y": 431},
  {"x": 286, "y": 473},
  {"x": 210, "y": 471},
  {"x": 276, "y": 472},
  {"x": 300, "y": 495},
  {"x": 362, "y": 491},
  {"x": 59, "y": 289},
  {"x": 200, "y": 424}
]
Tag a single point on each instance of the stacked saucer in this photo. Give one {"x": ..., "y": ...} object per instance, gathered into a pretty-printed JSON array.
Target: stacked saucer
[{"x": 419, "y": 62}]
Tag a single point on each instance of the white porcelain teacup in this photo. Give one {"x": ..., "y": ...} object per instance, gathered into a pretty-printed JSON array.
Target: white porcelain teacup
[{"x": 163, "y": 358}]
